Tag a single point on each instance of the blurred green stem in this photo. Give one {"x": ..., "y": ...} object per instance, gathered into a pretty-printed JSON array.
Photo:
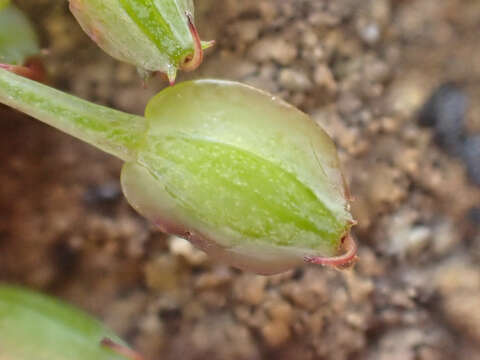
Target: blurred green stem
[{"x": 4, "y": 3}]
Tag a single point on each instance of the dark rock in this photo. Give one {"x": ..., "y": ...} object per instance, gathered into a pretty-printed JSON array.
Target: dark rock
[
  {"x": 474, "y": 215},
  {"x": 103, "y": 197},
  {"x": 471, "y": 156},
  {"x": 445, "y": 111}
]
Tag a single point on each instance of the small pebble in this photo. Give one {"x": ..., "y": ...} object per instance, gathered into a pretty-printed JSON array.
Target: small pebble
[
  {"x": 294, "y": 80},
  {"x": 250, "y": 289},
  {"x": 162, "y": 274},
  {"x": 369, "y": 33},
  {"x": 275, "y": 333},
  {"x": 107, "y": 192},
  {"x": 277, "y": 49},
  {"x": 103, "y": 197},
  {"x": 324, "y": 78},
  {"x": 185, "y": 249}
]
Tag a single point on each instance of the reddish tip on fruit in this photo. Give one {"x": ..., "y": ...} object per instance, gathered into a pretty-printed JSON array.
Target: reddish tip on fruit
[
  {"x": 194, "y": 61},
  {"x": 342, "y": 261},
  {"x": 121, "y": 350}
]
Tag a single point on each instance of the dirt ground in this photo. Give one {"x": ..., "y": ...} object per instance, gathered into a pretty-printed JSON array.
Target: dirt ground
[{"x": 362, "y": 69}]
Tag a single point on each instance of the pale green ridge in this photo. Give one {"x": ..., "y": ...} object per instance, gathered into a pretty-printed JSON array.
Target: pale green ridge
[
  {"x": 246, "y": 118},
  {"x": 35, "y": 326},
  {"x": 225, "y": 186},
  {"x": 18, "y": 39},
  {"x": 176, "y": 11},
  {"x": 151, "y": 17},
  {"x": 112, "y": 131}
]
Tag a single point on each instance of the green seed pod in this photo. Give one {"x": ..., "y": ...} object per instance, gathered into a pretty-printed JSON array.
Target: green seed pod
[
  {"x": 35, "y": 326},
  {"x": 246, "y": 177},
  {"x": 153, "y": 35}
]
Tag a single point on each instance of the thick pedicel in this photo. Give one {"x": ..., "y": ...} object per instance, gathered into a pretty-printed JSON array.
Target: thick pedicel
[{"x": 153, "y": 35}]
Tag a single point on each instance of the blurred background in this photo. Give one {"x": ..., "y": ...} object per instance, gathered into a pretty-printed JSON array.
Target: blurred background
[{"x": 396, "y": 83}]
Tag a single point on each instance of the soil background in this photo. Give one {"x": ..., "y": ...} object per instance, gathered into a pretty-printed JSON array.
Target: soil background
[{"x": 362, "y": 70}]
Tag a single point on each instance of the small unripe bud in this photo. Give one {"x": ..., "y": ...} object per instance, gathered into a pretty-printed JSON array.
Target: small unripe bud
[
  {"x": 246, "y": 177},
  {"x": 153, "y": 35}
]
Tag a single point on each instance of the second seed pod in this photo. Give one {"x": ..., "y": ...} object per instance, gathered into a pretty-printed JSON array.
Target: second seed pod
[{"x": 153, "y": 35}]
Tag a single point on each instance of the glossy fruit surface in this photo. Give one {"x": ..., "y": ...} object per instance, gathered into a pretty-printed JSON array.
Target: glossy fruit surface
[{"x": 246, "y": 177}]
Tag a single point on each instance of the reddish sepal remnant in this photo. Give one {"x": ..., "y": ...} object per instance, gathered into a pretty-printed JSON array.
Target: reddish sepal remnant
[
  {"x": 35, "y": 64},
  {"x": 339, "y": 262},
  {"x": 32, "y": 69},
  {"x": 121, "y": 349}
]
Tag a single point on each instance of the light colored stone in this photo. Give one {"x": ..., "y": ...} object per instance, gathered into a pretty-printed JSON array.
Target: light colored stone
[
  {"x": 275, "y": 333},
  {"x": 185, "y": 249},
  {"x": 274, "y": 48},
  {"x": 294, "y": 80},
  {"x": 324, "y": 78}
]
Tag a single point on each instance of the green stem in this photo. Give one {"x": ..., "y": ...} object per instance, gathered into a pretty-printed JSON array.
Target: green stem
[{"x": 112, "y": 131}]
